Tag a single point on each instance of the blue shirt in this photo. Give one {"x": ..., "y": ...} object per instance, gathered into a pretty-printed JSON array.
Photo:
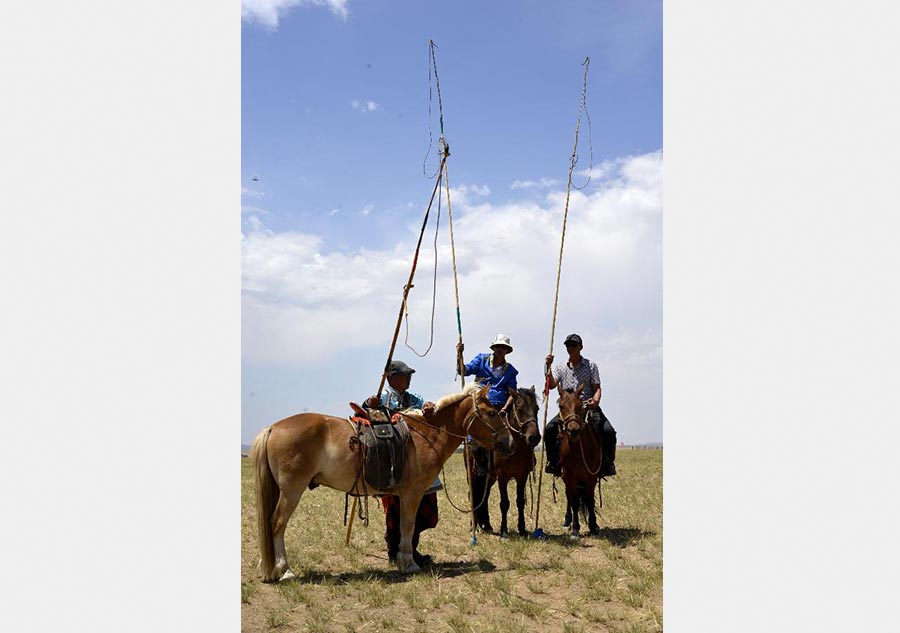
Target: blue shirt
[
  {"x": 395, "y": 401},
  {"x": 482, "y": 368}
]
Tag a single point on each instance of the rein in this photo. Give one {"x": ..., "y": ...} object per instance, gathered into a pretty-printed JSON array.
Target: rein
[{"x": 584, "y": 422}]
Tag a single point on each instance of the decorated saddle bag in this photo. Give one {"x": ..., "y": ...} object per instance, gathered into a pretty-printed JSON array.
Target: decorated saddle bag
[{"x": 383, "y": 440}]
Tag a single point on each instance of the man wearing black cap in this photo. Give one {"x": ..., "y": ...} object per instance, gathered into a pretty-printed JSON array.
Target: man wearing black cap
[
  {"x": 396, "y": 398},
  {"x": 578, "y": 370}
]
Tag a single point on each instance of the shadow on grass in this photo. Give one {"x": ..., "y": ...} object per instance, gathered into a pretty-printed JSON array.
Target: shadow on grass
[
  {"x": 391, "y": 576},
  {"x": 620, "y": 537}
]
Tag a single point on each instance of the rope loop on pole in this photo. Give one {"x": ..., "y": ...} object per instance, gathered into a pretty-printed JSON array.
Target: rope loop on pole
[{"x": 562, "y": 242}]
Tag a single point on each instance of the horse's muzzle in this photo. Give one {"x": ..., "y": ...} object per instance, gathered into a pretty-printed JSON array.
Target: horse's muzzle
[
  {"x": 534, "y": 439},
  {"x": 505, "y": 446}
]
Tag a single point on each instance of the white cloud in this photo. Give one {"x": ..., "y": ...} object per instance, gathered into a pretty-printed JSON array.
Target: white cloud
[
  {"x": 601, "y": 171},
  {"x": 364, "y": 106},
  {"x": 300, "y": 297},
  {"x": 268, "y": 12},
  {"x": 543, "y": 183},
  {"x": 333, "y": 211},
  {"x": 253, "y": 194},
  {"x": 464, "y": 194},
  {"x": 249, "y": 208},
  {"x": 366, "y": 210}
]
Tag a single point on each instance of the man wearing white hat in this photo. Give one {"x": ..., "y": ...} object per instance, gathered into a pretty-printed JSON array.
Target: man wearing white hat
[{"x": 491, "y": 369}]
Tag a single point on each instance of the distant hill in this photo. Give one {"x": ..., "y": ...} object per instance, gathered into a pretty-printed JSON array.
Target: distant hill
[{"x": 245, "y": 448}]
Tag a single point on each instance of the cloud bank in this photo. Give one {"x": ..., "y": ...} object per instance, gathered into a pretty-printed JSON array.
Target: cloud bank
[{"x": 300, "y": 296}]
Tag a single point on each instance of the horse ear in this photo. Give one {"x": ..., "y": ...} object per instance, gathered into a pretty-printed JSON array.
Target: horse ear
[
  {"x": 559, "y": 389},
  {"x": 580, "y": 387},
  {"x": 484, "y": 391},
  {"x": 532, "y": 389}
]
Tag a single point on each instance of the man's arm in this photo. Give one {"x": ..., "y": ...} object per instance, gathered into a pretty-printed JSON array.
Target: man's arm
[
  {"x": 511, "y": 397},
  {"x": 595, "y": 399}
]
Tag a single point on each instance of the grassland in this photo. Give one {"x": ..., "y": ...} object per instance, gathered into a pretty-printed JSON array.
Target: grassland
[{"x": 608, "y": 583}]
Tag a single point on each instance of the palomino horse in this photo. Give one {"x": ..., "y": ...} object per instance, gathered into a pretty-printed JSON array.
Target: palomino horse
[
  {"x": 312, "y": 449},
  {"x": 516, "y": 466},
  {"x": 580, "y": 457}
]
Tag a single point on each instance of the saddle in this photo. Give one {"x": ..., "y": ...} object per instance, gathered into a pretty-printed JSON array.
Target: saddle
[{"x": 382, "y": 438}]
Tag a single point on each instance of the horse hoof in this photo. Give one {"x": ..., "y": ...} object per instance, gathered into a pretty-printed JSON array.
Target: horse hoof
[
  {"x": 574, "y": 537},
  {"x": 413, "y": 568},
  {"x": 288, "y": 575},
  {"x": 504, "y": 536}
]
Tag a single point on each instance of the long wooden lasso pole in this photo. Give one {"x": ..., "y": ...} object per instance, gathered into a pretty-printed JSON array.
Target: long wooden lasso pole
[
  {"x": 442, "y": 171},
  {"x": 460, "y": 363},
  {"x": 538, "y": 533},
  {"x": 406, "y": 289}
]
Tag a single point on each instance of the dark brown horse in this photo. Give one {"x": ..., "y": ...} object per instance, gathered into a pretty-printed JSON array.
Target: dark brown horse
[
  {"x": 311, "y": 449},
  {"x": 524, "y": 426},
  {"x": 580, "y": 456}
]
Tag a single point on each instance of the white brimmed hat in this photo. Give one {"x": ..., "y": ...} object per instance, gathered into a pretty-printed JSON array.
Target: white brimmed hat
[{"x": 502, "y": 339}]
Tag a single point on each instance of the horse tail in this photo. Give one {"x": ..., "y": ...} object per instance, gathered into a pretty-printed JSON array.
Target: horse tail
[{"x": 266, "y": 498}]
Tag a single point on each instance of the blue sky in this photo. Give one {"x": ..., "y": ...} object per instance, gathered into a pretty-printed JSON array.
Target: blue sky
[{"x": 335, "y": 128}]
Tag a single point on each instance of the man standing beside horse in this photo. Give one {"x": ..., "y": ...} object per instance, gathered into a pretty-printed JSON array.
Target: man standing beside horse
[
  {"x": 578, "y": 370},
  {"x": 396, "y": 397}
]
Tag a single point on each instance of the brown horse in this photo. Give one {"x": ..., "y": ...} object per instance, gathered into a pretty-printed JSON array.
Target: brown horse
[
  {"x": 311, "y": 449},
  {"x": 517, "y": 466},
  {"x": 580, "y": 456}
]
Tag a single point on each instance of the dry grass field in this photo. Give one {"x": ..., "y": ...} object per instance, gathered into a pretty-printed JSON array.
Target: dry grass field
[{"x": 608, "y": 583}]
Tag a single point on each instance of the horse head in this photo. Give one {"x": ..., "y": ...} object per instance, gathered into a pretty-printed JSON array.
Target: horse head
[
  {"x": 571, "y": 412},
  {"x": 524, "y": 418},
  {"x": 486, "y": 426}
]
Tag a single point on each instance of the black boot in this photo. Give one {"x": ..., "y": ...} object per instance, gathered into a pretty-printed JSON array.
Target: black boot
[
  {"x": 608, "y": 468},
  {"x": 551, "y": 447},
  {"x": 422, "y": 560}
]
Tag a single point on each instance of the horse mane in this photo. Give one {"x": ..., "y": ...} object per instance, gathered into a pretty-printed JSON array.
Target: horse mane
[{"x": 453, "y": 398}]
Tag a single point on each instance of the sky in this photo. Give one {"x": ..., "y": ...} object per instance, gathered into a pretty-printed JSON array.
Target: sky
[{"x": 338, "y": 112}]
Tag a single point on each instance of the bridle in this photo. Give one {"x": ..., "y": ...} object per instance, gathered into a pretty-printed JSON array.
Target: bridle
[
  {"x": 583, "y": 421},
  {"x": 521, "y": 425},
  {"x": 476, "y": 416}
]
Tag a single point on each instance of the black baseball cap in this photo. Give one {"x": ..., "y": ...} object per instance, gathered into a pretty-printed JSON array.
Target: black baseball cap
[
  {"x": 398, "y": 367},
  {"x": 572, "y": 338}
]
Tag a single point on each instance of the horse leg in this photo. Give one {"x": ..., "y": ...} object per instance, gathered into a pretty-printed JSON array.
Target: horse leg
[
  {"x": 574, "y": 506},
  {"x": 593, "y": 528},
  {"x": 283, "y": 510},
  {"x": 504, "y": 507},
  {"x": 520, "y": 504},
  {"x": 481, "y": 493},
  {"x": 568, "y": 520},
  {"x": 408, "y": 511}
]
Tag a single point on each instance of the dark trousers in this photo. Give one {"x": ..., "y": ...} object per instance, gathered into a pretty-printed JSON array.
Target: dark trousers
[
  {"x": 426, "y": 518},
  {"x": 602, "y": 427}
]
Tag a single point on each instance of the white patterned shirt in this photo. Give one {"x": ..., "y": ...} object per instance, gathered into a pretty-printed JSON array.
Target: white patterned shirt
[{"x": 585, "y": 374}]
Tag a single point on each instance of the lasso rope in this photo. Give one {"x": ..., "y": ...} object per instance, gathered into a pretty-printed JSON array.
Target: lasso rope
[
  {"x": 587, "y": 62},
  {"x": 442, "y": 174},
  {"x": 437, "y": 227}
]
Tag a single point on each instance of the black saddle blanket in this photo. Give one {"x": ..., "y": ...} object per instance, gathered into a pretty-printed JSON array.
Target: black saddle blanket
[{"x": 385, "y": 453}]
